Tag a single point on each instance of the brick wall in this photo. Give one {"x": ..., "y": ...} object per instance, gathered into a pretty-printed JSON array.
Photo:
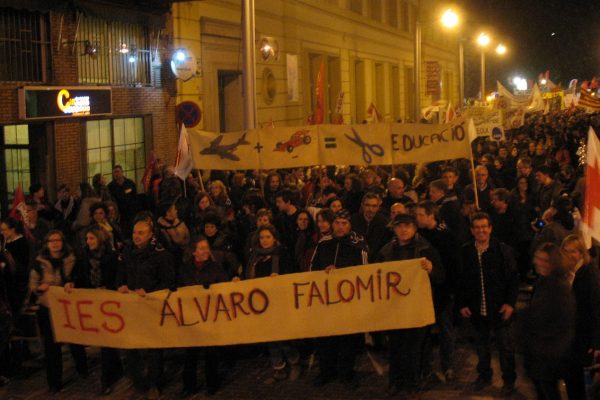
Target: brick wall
[{"x": 68, "y": 156}]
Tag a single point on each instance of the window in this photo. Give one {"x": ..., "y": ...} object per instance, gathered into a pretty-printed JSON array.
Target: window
[
  {"x": 395, "y": 95},
  {"x": 24, "y": 46},
  {"x": 113, "y": 52},
  {"x": 375, "y": 9},
  {"x": 380, "y": 89},
  {"x": 16, "y": 156},
  {"x": 392, "y": 13},
  {"x": 404, "y": 16},
  {"x": 116, "y": 141},
  {"x": 356, "y": 6},
  {"x": 358, "y": 84}
]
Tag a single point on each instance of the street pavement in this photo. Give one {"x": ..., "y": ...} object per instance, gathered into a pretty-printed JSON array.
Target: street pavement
[{"x": 246, "y": 376}]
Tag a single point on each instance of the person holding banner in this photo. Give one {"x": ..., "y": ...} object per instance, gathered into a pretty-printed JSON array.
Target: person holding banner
[
  {"x": 97, "y": 268},
  {"x": 270, "y": 258},
  {"x": 54, "y": 267},
  {"x": 200, "y": 268},
  {"x": 345, "y": 248},
  {"x": 407, "y": 345},
  {"x": 146, "y": 267}
]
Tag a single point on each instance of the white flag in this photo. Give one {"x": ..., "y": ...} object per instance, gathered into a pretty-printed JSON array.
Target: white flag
[{"x": 183, "y": 162}]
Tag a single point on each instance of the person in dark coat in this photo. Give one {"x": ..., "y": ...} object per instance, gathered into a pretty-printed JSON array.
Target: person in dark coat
[
  {"x": 547, "y": 324},
  {"x": 445, "y": 242},
  {"x": 200, "y": 269},
  {"x": 586, "y": 289},
  {"x": 488, "y": 294},
  {"x": 124, "y": 193},
  {"x": 371, "y": 225},
  {"x": 449, "y": 208},
  {"x": 146, "y": 267},
  {"x": 406, "y": 345},
  {"x": 345, "y": 248},
  {"x": 16, "y": 245},
  {"x": 54, "y": 267},
  {"x": 97, "y": 269},
  {"x": 285, "y": 222},
  {"x": 270, "y": 258}
]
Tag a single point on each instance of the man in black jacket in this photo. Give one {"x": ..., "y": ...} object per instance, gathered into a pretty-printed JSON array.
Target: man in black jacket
[
  {"x": 371, "y": 225},
  {"x": 446, "y": 243},
  {"x": 344, "y": 248},
  {"x": 490, "y": 285},
  {"x": 406, "y": 345},
  {"x": 124, "y": 191},
  {"x": 146, "y": 267}
]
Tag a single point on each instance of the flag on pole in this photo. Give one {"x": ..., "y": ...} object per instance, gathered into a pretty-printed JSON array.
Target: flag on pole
[
  {"x": 588, "y": 101},
  {"x": 320, "y": 95},
  {"x": 450, "y": 114},
  {"x": 183, "y": 162},
  {"x": 148, "y": 172},
  {"x": 374, "y": 114},
  {"x": 17, "y": 201},
  {"x": 590, "y": 224}
]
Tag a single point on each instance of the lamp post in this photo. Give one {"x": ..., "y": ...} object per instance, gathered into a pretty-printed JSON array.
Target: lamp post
[
  {"x": 450, "y": 20},
  {"x": 483, "y": 41}
]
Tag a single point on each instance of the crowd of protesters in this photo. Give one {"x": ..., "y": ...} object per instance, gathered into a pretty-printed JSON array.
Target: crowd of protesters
[{"x": 515, "y": 223}]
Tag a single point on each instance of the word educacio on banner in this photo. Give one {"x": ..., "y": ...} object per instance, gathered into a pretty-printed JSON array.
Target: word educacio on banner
[{"x": 392, "y": 295}]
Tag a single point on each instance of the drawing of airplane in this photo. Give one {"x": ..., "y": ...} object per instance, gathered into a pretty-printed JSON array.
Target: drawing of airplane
[{"x": 226, "y": 150}]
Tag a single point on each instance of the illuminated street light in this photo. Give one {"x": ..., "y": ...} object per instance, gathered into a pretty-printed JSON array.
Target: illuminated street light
[
  {"x": 543, "y": 81},
  {"x": 501, "y": 49},
  {"x": 483, "y": 40},
  {"x": 450, "y": 18}
]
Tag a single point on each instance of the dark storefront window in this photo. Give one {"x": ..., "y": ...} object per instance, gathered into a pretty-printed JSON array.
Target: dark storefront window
[
  {"x": 24, "y": 46},
  {"x": 113, "y": 53}
]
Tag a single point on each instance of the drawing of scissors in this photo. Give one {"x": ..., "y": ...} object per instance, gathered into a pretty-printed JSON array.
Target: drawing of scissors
[{"x": 367, "y": 148}]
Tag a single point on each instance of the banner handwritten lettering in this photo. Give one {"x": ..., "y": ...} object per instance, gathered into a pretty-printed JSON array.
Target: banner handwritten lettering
[
  {"x": 392, "y": 295},
  {"x": 370, "y": 144}
]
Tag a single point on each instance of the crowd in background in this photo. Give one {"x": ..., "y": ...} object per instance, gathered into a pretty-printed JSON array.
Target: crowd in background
[{"x": 482, "y": 234}]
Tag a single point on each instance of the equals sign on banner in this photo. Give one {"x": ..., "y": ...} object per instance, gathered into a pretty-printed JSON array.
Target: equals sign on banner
[{"x": 330, "y": 143}]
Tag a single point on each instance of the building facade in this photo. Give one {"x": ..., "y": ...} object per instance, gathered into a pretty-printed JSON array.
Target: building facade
[
  {"x": 366, "y": 48},
  {"x": 83, "y": 86}
]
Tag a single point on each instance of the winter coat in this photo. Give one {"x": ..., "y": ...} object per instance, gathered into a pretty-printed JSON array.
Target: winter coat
[
  {"x": 546, "y": 328},
  {"x": 416, "y": 248},
  {"x": 150, "y": 268},
  {"x": 345, "y": 251},
  {"x": 54, "y": 272},
  {"x": 499, "y": 273}
]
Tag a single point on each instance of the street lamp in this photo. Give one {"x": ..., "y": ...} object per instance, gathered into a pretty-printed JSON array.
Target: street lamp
[
  {"x": 501, "y": 49},
  {"x": 483, "y": 40},
  {"x": 449, "y": 19}
]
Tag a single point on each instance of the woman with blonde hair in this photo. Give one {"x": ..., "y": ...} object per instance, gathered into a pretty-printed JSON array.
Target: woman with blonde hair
[{"x": 586, "y": 289}]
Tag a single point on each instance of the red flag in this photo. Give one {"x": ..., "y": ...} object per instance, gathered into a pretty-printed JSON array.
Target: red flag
[
  {"x": 374, "y": 113},
  {"x": 19, "y": 198},
  {"x": 594, "y": 84},
  {"x": 320, "y": 94},
  {"x": 148, "y": 172},
  {"x": 591, "y": 209}
]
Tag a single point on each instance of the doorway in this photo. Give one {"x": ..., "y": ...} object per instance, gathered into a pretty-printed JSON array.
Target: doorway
[{"x": 231, "y": 102}]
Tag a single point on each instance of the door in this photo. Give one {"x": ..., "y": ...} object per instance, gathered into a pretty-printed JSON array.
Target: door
[{"x": 231, "y": 102}]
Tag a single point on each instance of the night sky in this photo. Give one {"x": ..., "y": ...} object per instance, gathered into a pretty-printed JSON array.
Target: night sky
[{"x": 526, "y": 27}]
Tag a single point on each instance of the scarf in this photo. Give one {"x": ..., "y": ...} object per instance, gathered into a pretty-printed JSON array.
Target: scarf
[
  {"x": 65, "y": 211},
  {"x": 259, "y": 254},
  {"x": 95, "y": 269}
]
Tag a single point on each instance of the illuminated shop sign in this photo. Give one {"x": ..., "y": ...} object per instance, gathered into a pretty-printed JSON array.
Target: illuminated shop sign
[{"x": 47, "y": 102}]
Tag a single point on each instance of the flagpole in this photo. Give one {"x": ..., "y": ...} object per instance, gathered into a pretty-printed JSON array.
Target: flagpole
[{"x": 474, "y": 177}]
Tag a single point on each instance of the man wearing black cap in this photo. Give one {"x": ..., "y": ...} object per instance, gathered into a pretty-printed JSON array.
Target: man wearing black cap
[
  {"x": 406, "y": 344},
  {"x": 344, "y": 248}
]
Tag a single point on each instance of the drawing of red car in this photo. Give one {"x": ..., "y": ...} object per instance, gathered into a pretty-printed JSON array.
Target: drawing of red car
[{"x": 298, "y": 139}]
